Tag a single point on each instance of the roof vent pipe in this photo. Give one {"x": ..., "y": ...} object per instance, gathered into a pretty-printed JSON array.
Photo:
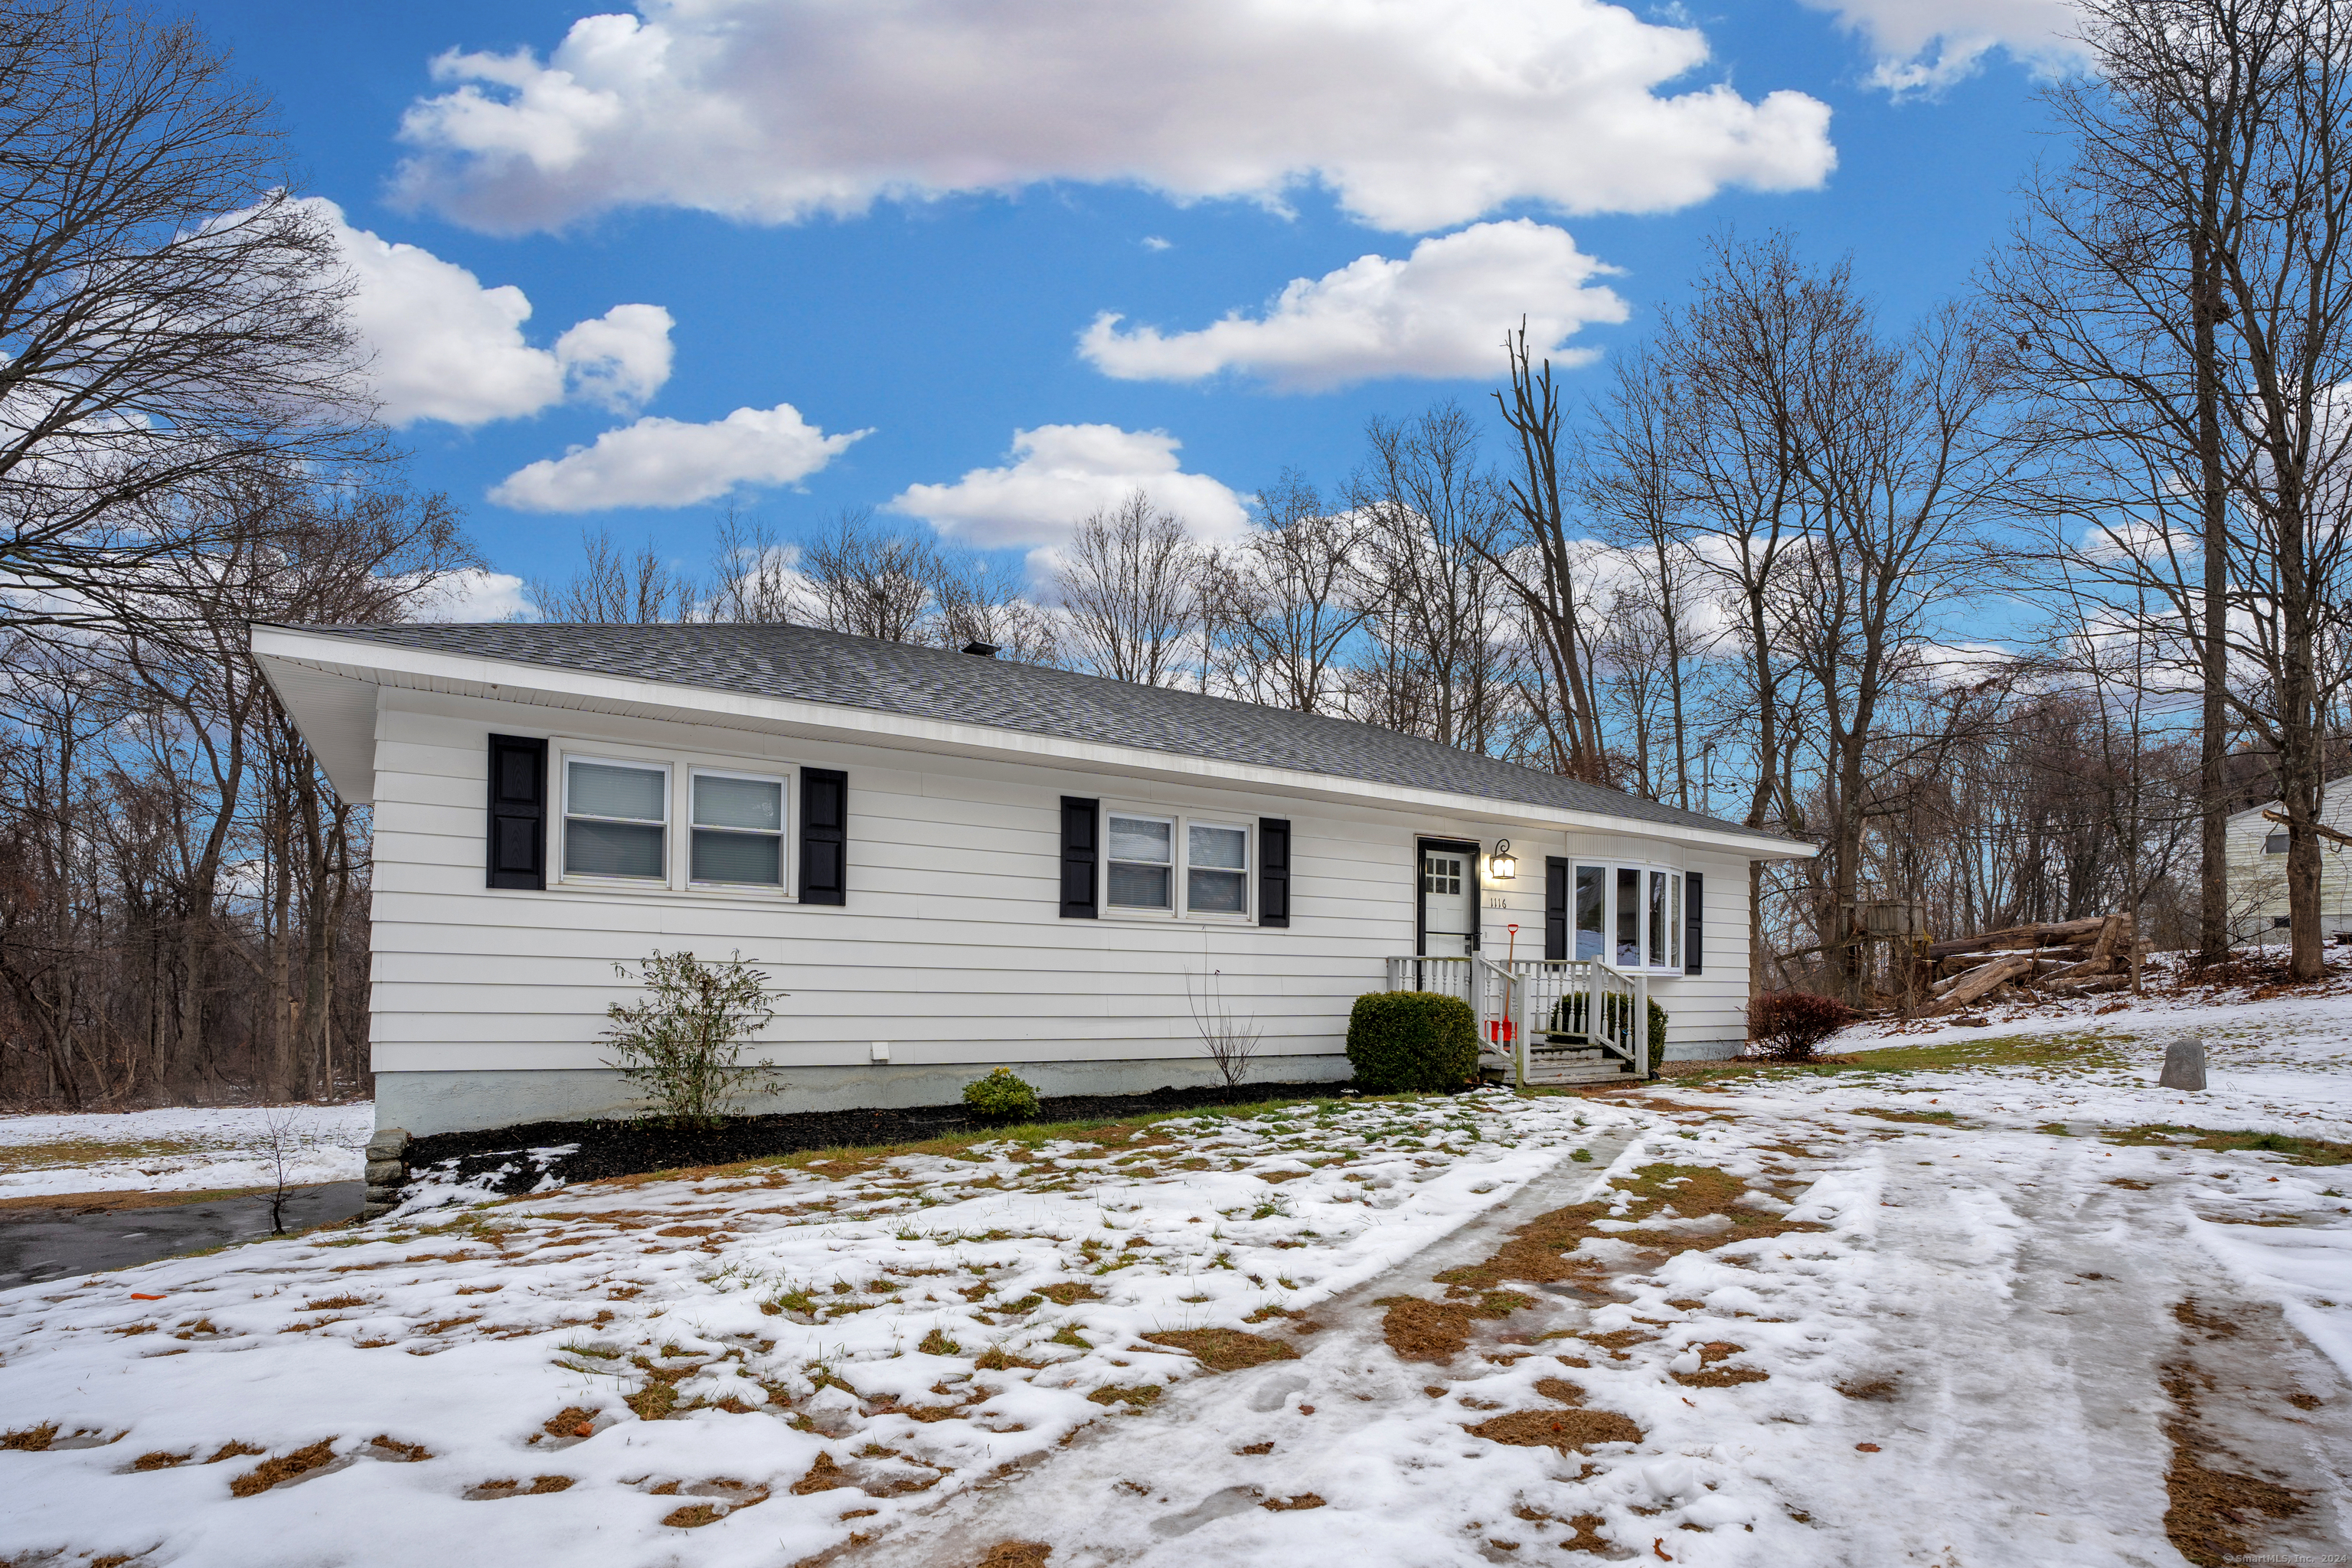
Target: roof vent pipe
[{"x": 985, "y": 650}]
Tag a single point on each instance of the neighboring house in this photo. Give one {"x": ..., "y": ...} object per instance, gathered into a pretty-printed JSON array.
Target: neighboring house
[
  {"x": 2257, "y": 858},
  {"x": 947, "y": 861}
]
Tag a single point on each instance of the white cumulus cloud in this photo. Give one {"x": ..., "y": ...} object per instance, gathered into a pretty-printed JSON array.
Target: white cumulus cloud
[
  {"x": 1441, "y": 311},
  {"x": 475, "y": 596},
  {"x": 1924, "y": 46},
  {"x": 443, "y": 347},
  {"x": 666, "y": 463},
  {"x": 1419, "y": 117},
  {"x": 1059, "y": 473}
]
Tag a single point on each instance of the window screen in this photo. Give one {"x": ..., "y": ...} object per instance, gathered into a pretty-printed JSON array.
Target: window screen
[
  {"x": 616, "y": 819},
  {"x": 2275, "y": 843},
  {"x": 739, "y": 830}
]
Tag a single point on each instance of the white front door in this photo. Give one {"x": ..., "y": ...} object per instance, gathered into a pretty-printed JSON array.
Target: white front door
[{"x": 1449, "y": 900}]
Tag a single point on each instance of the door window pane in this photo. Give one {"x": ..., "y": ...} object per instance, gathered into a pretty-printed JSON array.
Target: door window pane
[
  {"x": 1441, "y": 874},
  {"x": 615, "y": 820},
  {"x": 1591, "y": 901},
  {"x": 1142, "y": 862},
  {"x": 1216, "y": 871},
  {"x": 1629, "y": 917}
]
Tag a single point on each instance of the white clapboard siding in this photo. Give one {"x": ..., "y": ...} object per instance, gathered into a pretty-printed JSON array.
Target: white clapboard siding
[{"x": 952, "y": 946}]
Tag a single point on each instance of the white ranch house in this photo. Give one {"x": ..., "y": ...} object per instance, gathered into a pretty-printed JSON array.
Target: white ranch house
[{"x": 951, "y": 862}]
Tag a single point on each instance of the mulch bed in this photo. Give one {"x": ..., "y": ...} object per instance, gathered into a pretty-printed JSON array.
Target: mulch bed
[{"x": 610, "y": 1148}]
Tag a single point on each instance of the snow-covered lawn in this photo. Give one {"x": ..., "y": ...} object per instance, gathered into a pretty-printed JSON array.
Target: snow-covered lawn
[
  {"x": 1933, "y": 1312},
  {"x": 180, "y": 1150}
]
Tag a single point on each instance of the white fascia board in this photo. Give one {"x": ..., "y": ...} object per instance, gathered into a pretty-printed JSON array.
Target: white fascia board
[{"x": 505, "y": 681}]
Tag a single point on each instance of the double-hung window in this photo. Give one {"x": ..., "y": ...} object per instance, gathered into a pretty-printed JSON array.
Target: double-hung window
[
  {"x": 1216, "y": 868},
  {"x": 739, "y": 829},
  {"x": 673, "y": 824},
  {"x": 1176, "y": 866},
  {"x": 1143, "y": 863},
  {"x": 616, "y": 819}
]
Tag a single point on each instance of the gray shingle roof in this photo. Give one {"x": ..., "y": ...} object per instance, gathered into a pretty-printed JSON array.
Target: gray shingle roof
[{"x": 808, "y": 665}]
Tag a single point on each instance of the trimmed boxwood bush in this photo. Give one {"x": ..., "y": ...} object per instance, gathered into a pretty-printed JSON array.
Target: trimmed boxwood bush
[
  {"x": 1401, "y": 1041},
  {"x": 1002, "y": 1096}
]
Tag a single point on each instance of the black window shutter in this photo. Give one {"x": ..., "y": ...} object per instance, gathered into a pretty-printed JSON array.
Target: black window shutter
[
  {"x": 517, "y": 837},
  {"x": 1081, "y": 832},
  {"x": 824, "y": 836},
  {"x": 1273, "y": 870},
  {"x": 1556, "y": 874},
  {"x": 1694, "y": 896}
]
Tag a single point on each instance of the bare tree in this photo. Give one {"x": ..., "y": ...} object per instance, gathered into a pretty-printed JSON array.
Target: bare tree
[
  {"x": 1736, "y": 354},
  {"x": 1290, "y": 586},
  {"x": 172, "y": 313},
  {"x": 971, "y": 605},
  {"x": 1127, "y": 586},
  {"x": 1544, "y": 566},
  {"x": 2181, "y": 301},
  {"x": 1630, "y": 485},
  {"x": 1433, "y": 518},
  {"x": 870, "y": 584},
  {"x": 615, "y": 588}
]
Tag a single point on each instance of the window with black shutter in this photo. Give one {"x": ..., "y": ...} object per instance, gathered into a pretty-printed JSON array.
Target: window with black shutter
[
  {"x": 517, "y": 825},
  {"x": 824, "y": 836},
  {"x": 1554, "y": 907},
  {"x": 1273, "y": 870},
  {"x": 1081, "y": 848},
  {"x": 1694, "y": 900}
]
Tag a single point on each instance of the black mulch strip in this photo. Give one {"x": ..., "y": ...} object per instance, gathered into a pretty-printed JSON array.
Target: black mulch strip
[{"x": 517, "y": 1159}]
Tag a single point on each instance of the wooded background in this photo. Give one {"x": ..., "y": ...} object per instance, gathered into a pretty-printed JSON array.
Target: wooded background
[{"x": 2006, "y": 607}]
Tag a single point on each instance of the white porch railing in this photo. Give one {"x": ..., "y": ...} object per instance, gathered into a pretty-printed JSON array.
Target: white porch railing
[{"x": 1524, "y": 1004}]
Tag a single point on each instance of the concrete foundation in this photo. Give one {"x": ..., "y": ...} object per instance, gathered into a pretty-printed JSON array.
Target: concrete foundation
[
  {"x": 428, "y": 1103},
  {"x": 1704, "y": 1051}
]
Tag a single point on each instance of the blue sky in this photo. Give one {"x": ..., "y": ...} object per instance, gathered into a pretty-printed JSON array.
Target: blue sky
[{"x": 943, "y": 314}]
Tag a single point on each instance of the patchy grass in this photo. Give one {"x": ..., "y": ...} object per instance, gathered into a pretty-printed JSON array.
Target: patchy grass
[
  {"x": 1225, "y": 1350},
  {"x": 2067, "y": 1053},
  {"x": 1575, "y": 1430},
  {"x": 284, "y": 1468},
  {"x": 2297, "y": 1151},
  {"x": 1890, "y": 1113}
]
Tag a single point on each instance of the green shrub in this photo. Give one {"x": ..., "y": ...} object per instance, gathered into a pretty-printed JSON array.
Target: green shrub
[
  {"x": 683, "y": 1042},
  {"x": 1405, "y": 1040},
  {"x": 1657, "y": 1033},
  {"x": 1002, "y": 1096}
]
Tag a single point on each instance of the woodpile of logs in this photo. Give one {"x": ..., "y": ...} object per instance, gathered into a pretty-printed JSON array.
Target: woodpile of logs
[{"x": 2066, "y": 958}]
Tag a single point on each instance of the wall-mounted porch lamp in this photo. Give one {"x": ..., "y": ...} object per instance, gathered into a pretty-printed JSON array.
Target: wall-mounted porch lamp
[{"x": 1502, "y": 864}]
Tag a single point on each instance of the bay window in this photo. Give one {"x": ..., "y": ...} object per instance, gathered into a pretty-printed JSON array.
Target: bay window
[{"x": 1630, "y": 915}]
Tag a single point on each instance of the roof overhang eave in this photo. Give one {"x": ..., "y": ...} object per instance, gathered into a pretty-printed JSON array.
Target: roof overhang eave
[{"x": 311, "y": 670}]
